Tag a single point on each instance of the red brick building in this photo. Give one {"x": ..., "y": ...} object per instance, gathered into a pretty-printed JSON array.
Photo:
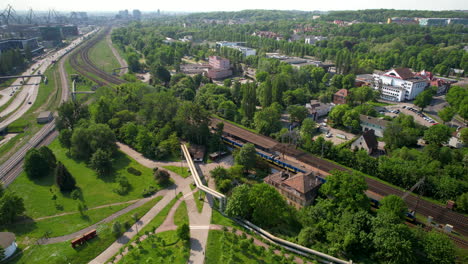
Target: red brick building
[
  {"x": 299, "y": 190},
  {"x": 340, "y": 97},
  {"x": 219, "y": 68}
]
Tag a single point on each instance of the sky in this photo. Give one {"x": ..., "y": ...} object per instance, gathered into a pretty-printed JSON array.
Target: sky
[{"x": 230, "y": 5}]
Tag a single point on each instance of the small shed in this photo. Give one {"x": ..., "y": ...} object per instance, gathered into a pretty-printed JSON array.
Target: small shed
[
  {"x": 7, "y": 242},
  {"x": 45, "y": 117}
]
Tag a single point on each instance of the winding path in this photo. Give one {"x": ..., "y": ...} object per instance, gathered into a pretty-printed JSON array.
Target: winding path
[{"x": 122, "y": 62}]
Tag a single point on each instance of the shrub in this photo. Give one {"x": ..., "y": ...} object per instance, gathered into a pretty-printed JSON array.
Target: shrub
[
  {"x": 123, "y": 186},
  {"x": 161, "y": 176},
  {"x": 76, "y": 194},
  {"x": 117, "y": 228},
  {"x": 150, "y": 191},
  {"x": 133, "y": 171},
  {"x": 183, "y": 232},
  {"x": 64, "y": 179}
]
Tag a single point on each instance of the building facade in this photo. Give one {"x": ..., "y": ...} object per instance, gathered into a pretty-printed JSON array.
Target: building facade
[
  {"x": 299, "y": 190},
  {"x": 318, "y": 109},
  {"x": 340, "y": 97},
  {"x": 367, "y": 141},
  {"x": 399, "y": 85},
  {"x": 219, "y": 68}
]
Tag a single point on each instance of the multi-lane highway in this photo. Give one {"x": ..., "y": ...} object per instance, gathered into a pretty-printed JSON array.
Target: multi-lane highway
[{"x": 28, "y": 93}]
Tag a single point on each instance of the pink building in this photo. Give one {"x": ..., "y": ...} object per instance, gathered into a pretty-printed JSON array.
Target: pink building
[
  {"x": 217, "y": 62},
  {"x": 219, "y": 68}
]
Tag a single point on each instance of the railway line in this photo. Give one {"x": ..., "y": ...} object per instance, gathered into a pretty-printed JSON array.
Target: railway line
[
  {"x": 439, "y": 213},
  {"x": 81, "y": 62}
]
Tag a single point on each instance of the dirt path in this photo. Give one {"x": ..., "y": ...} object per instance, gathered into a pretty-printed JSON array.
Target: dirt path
[
  {"x": 52, "y": 240},
  {"x": 122, "y": 62},
  {"x": 75, "y": 212}
]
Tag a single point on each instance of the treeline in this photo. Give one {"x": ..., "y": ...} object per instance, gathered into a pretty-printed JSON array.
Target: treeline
[
  {"x": 342, "y": 223},
  {"x": 11, "y": 61},
  {"x": 381, "y": 15}
]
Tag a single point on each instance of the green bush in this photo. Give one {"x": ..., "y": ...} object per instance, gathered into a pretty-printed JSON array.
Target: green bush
[
  {"x": 133, "y": 171},
  {"x": 150, "y": 191}
]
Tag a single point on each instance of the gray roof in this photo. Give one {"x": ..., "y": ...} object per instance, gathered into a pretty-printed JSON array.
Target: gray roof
[
  {"x": 6, "y": 239},
  {"x": 44, "y": 114},
  {"x": 373, "y": 120}
]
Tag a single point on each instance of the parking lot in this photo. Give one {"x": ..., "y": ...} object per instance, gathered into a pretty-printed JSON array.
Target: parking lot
[
  {"x": 410, "y": 109},
  {"x": 334, "y": 135}
]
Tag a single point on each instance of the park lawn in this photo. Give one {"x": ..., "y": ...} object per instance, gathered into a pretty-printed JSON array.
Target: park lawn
[
  {"x": 37, "y": 194},
  {"x": 224, "y": 247},
  {"x": 218, "y": 219},
  {"x": 60, "y": 225},
  {"x": 196, "y": 196},
  {"x": 101, "y": 55},
  {"x": 181, "y": 215},
  {"x": 181, "y": 171},
  {"x": 160, "y": 217},
  {"x": 165, "y": 247},
  {"x": 60, "y": 253}
]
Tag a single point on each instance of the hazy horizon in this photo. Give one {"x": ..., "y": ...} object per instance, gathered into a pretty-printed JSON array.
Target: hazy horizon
[{"x": 212, "y": 5}]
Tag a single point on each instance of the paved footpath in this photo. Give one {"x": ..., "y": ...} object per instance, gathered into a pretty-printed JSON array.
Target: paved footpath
[{"x": 181, "y": 185}]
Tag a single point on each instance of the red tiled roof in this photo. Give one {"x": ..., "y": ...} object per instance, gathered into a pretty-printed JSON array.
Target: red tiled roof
[
  {"x": 342, "y": 92},
  {"x": 302, "y": 182}
]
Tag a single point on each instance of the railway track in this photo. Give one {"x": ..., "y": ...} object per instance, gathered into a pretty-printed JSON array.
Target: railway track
[{"x": 81, "y": 62}]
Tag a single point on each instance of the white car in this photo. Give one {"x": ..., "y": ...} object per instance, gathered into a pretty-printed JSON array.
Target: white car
[{"x": 329, "y": 135}]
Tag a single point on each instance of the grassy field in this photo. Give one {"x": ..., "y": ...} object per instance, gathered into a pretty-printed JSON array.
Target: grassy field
[
  {"x": 164, "y": 247},
  {"x": 218, "y": 219},
  {"x": 160, "y": 217},
  {"x": 196, "y": 196},
  {"x": 28, "y": 231},
  {"x": 37, "y": 194},
  {"x": 101, "y": 55},
  {"x": 226, "y": 247},
  {"x": 181, "y": 215},
  {"x": 60, "y": 253},
  {"x": 182, "y": 171}
]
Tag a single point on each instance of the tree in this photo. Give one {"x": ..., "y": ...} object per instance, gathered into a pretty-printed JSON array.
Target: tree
[
  {"x": 267, "y": 121},
  {"x": 337, "y": 113},
  {"x": 65, "y": 138},
  {"x": 397, "y": 136},
  {"x": 101, "y": 162},
  {"x": 162, "y": 74},
  {"x": 161, "y": 176},
  {"x": 247, "y": 156},
  {"x": 308, "y": 128},
  {"x": 64, "y": 179},
  {"x": 439, "y": 248},
  {"x": 11, "y": 206},
  {"x": 362, "y": 94},
  {"x": 297, "y": 113},
  {"x": 437, "y": 134},
  {"x": 183, "y": 232},
  {"x": 48, "y": 157},
  {"x": 101, "y": 111},
  {"x": 238, "y": 204},
  {"x": 394, "y": 207},
  {"x": 117, "y": 228},
  {"x": 393, "y": 243},
  {"x": 348, "y": 81},
  {"x": 423, "y": 99},
  {"x": 269, "y": 209},
  {"x": 462, "y": 202},
  {"x": 464, "y": 135},
  {"x": 35, "y": 165},
  {"x": 69, "y": 113},
  {"x": 447, "y": 113},
  {"x": 346, "y": 191},
  {"x": 249, "y": 100}
]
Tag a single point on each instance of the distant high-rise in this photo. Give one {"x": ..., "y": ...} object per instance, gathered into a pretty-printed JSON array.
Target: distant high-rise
[
  {"x": 159, "y": 12},
  {"x": 136, "y": 14}
]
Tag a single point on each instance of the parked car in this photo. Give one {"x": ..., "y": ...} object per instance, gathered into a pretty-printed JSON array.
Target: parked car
[{"x": 329, "y": 135}]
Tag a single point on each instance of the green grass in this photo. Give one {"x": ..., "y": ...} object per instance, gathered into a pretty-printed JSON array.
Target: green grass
[
  {"x": 60, "y": 253},
  {"x": 224, "y": 246},
  {"x": 164, "y": 247},
  {"x": 61, "y": 225},
  {"x": 181, "y": 215},
  {"x": 218, "y": 219},
  {"x": 101, "y": 55},
  {"x": 196, "y": 196},
  {"x": 182, "y": 171},
  {"x": 37, "y": 194},
  {"x": 160, "y": 217}
]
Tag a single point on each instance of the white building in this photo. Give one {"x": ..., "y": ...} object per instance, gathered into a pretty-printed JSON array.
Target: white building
[
  {"x": 7, "y": 242},
  {"x": 399, "y": 85},
  {"x": 455, "y": 140},
  {"x": 246, "y": 51}
]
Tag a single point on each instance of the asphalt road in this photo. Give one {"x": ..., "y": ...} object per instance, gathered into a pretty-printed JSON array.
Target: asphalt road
[{"x": 20, "y": 104}]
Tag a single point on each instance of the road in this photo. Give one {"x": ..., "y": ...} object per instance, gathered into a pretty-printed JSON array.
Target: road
[
  {"x": 20, "y": 104},
  {"x": 10, "y": 169}
]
